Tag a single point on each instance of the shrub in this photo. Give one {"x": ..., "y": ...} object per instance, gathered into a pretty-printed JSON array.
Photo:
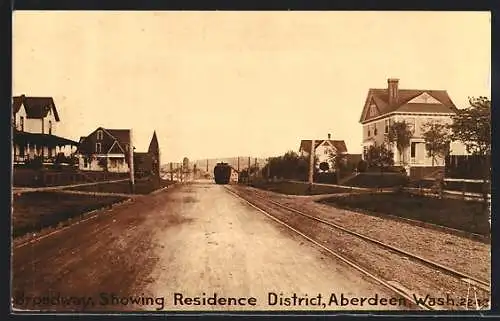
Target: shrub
[
  {"x": 35, "y": 163},
  {"x": 362, "y": 166},
  {"x": 328, "y": 178}
]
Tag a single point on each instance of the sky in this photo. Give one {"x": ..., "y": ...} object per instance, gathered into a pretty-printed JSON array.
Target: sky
[{"x": 220, "y": 84}]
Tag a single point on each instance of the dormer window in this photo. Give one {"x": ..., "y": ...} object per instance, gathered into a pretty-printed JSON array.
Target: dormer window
[
  {"x": 98, "y": 148},
  {"x": 373, "y": 110},
  {"x": 99, "y": 135}
]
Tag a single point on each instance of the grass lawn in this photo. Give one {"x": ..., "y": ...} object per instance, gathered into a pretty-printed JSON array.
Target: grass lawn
[
  {"x": 292, "y": 188},
  {"x": 468, "y": 187},
  {"x": 37, "y": 210},
  {"x": 142, "y": 186},
  {"x": 458, "y": 214},
  {"x": 377, "y": 180}
]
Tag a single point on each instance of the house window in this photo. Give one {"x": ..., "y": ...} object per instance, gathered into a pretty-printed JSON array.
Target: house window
[
  {"x": 21, "y": 123},
  {"x": 98, "y": 147},
  {"x": 387, "y": 126},
  {"x": 369, "y": 131},
  {"x": 50, "y": 127},
  {"x": 326, "y": 151},
  {"x": 375, "y": 129},
  {"x": 411, "y": 124},
  {"x": 99, "y": 135},
  {"x": 85, "y": 162},
  {"x": 413, "y": 149}
]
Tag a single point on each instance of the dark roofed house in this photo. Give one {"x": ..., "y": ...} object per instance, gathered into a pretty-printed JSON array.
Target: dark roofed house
[
  {"x": 105, "y": 150},
  {"x": 323, "y": 149},
  {"x": 34, "y": 122},
  {"x": 384, "y": 106}
]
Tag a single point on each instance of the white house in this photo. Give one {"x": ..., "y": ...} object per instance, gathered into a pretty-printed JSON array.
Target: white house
[
  {"x": 323, "y": 149},
  {"x": 416, "y": 107},
  {"x": 35, "y": 121},
  {"x": 234, "y": 175}
]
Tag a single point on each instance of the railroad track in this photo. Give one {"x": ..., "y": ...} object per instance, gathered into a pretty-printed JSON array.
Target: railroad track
[{"x": 400, "y": 290}]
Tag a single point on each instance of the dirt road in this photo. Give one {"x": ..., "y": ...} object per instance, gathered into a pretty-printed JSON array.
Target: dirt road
[{"x": 185, "y": 249}]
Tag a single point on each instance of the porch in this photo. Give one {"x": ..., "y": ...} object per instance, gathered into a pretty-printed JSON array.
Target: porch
[{"x": 30, "y": 146}]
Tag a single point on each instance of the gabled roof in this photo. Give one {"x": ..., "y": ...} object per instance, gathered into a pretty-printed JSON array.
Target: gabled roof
[
  {"x": 339, "y": 145},
  {"x": 381, "y": 100},
  {"x": 121, "y": 135},
  {"x": 36, "y": 107},
  {"x": 116, "y": 149},
  {"x": 119, "y": 138}
]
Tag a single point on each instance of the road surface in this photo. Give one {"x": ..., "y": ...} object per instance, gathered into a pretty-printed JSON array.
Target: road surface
[{"x": 176, "y": 249}]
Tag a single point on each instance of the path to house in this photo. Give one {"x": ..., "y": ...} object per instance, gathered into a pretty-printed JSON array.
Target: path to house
[
  {"x": 61, "y": 187},
  {"x": 194, "y": 240}
]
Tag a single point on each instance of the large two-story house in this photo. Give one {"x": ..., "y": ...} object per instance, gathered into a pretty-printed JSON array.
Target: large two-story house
[
  {"x": 416, "y": 107},
  {"x": 34, "y": 124},
  {"x": 105, "y": 150},
  {"x": 323, "y": 149}
]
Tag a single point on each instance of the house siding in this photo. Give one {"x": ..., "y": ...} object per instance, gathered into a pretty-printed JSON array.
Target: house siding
[
  {"x": 417, "y": 120},
  {"x": 37, "y": 126},
  {"x": 117, "y": 162},
  {"x": 322, "y": 154}
]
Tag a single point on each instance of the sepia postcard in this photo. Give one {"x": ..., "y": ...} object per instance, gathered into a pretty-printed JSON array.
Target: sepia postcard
[{"x": 172, "y": 161}]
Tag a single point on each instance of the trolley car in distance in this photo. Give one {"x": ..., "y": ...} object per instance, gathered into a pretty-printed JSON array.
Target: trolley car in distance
[{"x": 222, "y": 173}]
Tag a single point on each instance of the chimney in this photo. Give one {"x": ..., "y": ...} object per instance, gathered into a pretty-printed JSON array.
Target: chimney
[
  {"x": 329, "y": 136},
  {"x": 392, "y": 88}
]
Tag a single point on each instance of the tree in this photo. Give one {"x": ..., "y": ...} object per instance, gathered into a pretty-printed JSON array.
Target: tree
[
  {"x": 437, "y": 139},
  {"x": 380, "y": 156},
  {"x": 289, "y": 166},
  {"x": 400, "y": 134},
  {"x": 472, "y": 127}
]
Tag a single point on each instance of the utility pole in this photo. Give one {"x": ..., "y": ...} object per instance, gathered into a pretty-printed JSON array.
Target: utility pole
[
  {"x": 255, "y": 165},
  {"x": 268, "y": 169},
  {"x": 131, "y": 163},
  {"x": 171, "y": 172},
  {"x": 238, "y": 164},
  {"x": 248, "y": 170},
  {"x": 311, "y": 165}
]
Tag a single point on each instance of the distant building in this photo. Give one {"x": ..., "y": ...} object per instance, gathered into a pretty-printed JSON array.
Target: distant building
[
  {"x": 34, "y": 122},
  {"x": 234, "y": 175},
  {"x": 185, "y": 164},
  {"x": 416, "y": 107},
  {"x": 323, "y": 149},
  {"x": 148, "y": 163},
  {"x": 105, "y": 150}
]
